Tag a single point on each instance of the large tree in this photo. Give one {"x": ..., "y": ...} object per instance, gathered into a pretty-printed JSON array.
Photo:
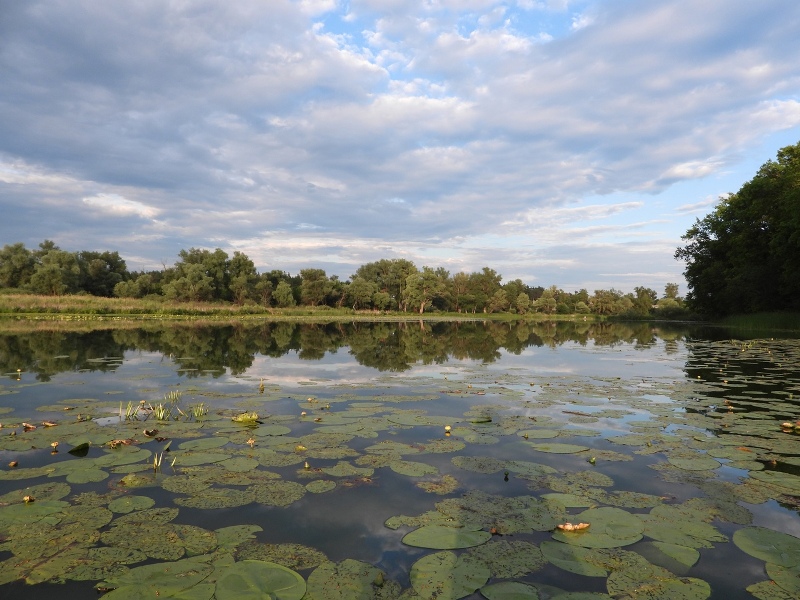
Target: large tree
[{"x": 743, "y": 257}]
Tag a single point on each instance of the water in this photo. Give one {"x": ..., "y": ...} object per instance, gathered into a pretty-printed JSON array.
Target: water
[{"x": 680, "y": 429}]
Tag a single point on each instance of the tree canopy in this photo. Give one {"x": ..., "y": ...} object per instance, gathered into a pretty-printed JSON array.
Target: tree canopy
[{"x": 743, "y": 257}]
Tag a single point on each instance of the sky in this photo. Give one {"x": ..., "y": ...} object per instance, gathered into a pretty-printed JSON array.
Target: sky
[{"x": 561, "y": 142}]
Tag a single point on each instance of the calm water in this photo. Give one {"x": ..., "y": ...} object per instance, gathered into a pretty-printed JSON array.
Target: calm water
[{"x": 678, "y": 429}]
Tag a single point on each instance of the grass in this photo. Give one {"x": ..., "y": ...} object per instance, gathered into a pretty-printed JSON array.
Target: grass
[
  {"x": 131, "y": 312},
  {"x": 780, "y": 321}
]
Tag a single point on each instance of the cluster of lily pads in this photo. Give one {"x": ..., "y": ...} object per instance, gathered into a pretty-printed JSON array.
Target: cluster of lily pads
[{"x": 106, "y": 506}]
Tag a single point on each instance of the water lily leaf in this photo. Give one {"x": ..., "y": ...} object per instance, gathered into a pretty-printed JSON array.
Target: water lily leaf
[
  {"x": 349, "y": 580},
  {"x": 510, "y": 590},
  {"x": 345, "y": 469},
  {"x": 320, "y": 486},
  {"x": 767, "y": 590},
  {"x": 128, "y": 504},
  {"x": 447, "y": 576},
  {"x": 574, "y": 559},
  {"x": 124, "y": 455},
  {"x": 646, "y": 581},
  {"x": 447, "y": 484},
  {"x": 252, "y": 579},
  {"x": 230, "y": 537},
  {"x": 570, "y": 500},
  {"x": 787, "y": 578},
  {"x": 240, "y": 464},
  {"x": 278, "y": 493},
  {"x": 785, "y": 480},
  {"x": 193, "y": 459},
  {"x": 24, "y": 514},
  {"x": 87, "y": 476},
  {"x": 507, "y": 560},
  {"x": 205, "y": 443},
  {"x": 43, "y": 491},
  {"x": 683, "y": 554},
  {"x": 220, "y": 497},
  {"x": 529, "y": 470},
  {"x": 700, "y": 463},
  {"x": 412, "y": 469},
  {"x": 479, "y": 464},
  {"x": 610, "y": 527},
  {"x": 162, "y": 580},
  {"x": 556, "y": 448},
  {"x": 538, "y": 434},
  {"x": 770, "y": 546},
  {"x": 271, "y": 430},
  {"x": 291, "y": 556},
  {"x": 441, "y": 537}
]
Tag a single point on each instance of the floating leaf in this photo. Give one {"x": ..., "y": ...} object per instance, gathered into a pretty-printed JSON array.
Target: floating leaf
[
  {"x": 507, "y": 560},
  {"x": 646, "y": 581},
  {"x": 205, "y": 443},
  {"x": 769, "y": 545},
  {"x": 574, "y": 559},
  {"x": 321, "y": 486},
  {"x": 253, "y": 579},
  {"x": 556, "y": 448},
  {"x": 439, "y": 537},
  {"x": 128, "y": 504},
  {"x": 447, "y": 576},
  {"x": 510, "y": 590},
  {"x": 349, "y": 580},
  {"x": 161, "y": 580},
  {"x": 700, "y": 463},
  {"x": 609, "y": 528},
  {"x": 412, "y": 469}
]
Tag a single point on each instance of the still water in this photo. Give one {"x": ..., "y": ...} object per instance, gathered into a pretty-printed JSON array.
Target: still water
[{"x": 399, "y": 460}]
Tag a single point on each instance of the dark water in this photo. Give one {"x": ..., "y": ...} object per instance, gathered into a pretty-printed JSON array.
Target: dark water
[{"x": 646, "y": 405}]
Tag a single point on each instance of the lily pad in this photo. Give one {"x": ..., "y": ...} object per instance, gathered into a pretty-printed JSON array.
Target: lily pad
[
  {"x": 700, "y": 463},
  {"x": 609, "y": 527},
  {"x": 128, "y": 504},
  {"x": 646, "y": 581},
  {"x": 440, "y": 537},
  {"x": 162, "y": 580},
  {"x": 349, "y": 580},
  {"x": 574, "y": 559},
  {"x": 556, "y": 448},
  {"x": 412, "y": 469},
  {"x": 769, "y": 545},
  {"x": 253, "y": 579},
  {"x": 507, "y": 560},
  {"x": 447, "y": 576},
  {"x": 510, "y": 590},
  {"x": 321, "y": 486}
]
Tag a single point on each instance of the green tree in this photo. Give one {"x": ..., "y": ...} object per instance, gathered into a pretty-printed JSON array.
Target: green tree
[
  {"x": 243, "y": 278},
  {"x": 101, "y": 271},
  {"x": 214, "y": 265},
  {"x": 283, "y": 296},
  {"x": 315, "y": 286},
  {"x": 57, "y": 273},
  {"x": 742, "y": 257},
  {"x": 360, "y": 293},
  {"x": 422, "y": 288},
  {"x": 523, "y": 303},
  {"x": 17, "y": 264},
  {"x": 193, "y": 285},
  {"x": 671, "y": 291}
]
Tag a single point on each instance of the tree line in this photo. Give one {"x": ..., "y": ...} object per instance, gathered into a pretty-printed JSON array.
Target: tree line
[
  {"x": 744, "y": 257},
  {"x": 383, "y": 285}
]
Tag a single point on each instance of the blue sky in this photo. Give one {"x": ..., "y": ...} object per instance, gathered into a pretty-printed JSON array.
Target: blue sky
[{"x": 562, "y": 142}]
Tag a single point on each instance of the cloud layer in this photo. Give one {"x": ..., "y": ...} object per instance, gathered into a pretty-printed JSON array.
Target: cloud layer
[{"x": 541, "y": 138}]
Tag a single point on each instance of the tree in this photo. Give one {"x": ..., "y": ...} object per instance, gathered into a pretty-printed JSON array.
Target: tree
[
  {"x": 360, "y": 292},
  {"x": 214, "y": 265},
  {"x": 17, "y": 264},
  {"x": 193, "y": 285},
  {"x": 101, "y": 272},
  {"x": 243, "y": 278},
  {"x": 57, "y": 273},
  {"x": 671, "y": 291},
  {"x": 499, "y": 302},
  {"x": 284, "y": 298},
  {"x": 644, "y": 300},
  {"x": 742, "y": 257},
  {"x": 422, "y": 288},
  {"x": 389, "y": 275},
  {"x": 314, "y": 287}
]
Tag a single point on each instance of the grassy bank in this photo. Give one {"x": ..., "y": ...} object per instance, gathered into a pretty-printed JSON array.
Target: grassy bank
[
  {"x": 29, "y": 307},
  {"x": 782, "y": 321}
]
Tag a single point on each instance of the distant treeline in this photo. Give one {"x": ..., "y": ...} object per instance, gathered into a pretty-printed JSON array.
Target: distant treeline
[{"x": 384, "y": 285}]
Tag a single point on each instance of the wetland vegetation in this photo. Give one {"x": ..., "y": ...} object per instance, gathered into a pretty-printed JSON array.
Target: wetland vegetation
[{"x": 398, "y": 460}]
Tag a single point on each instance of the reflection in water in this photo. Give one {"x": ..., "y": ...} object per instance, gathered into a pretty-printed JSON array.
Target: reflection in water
[{"x": 198, "y": 348}]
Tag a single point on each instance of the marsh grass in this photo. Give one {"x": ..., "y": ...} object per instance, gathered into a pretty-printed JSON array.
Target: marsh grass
[{"x": 781, "y": 321}]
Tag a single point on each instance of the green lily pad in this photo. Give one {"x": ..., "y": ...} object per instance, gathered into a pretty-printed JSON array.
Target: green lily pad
[
  {"x": 349, "y": 580},
  {"x": 510, "y": 590},
  {"x": 787, "y": 578},
  {"x": 556, "y": 448},
  {"x": 161, "y": 580},
  {"x": 412, "y": 469},
  {"x": 447, "y": 576},
  {"x": 646, "y": 581},
  {"x": 206, "y": 443},
  {"x": 128, "y": 504},
  {"x": 440, "y": 537},
  {"x": 321, "y": 486},
  {"x": 700, "y": 463},
  {"x": 769, "y": 545},
  {"x": 609, "y": 527},
  {"x": 574, "y": 559},
  {"x": 538, "y": 434},
  {"x": 253, "y": 579},
  {"x": 89, "y": 475},
  {"x": 507, "y": 560}
]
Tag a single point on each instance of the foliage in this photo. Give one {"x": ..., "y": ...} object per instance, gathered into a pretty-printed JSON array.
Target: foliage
[{"x": 742, "y": 258}]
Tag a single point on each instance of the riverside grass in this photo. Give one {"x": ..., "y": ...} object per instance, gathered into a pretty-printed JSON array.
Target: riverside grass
[{"x": 84, "y": 308}]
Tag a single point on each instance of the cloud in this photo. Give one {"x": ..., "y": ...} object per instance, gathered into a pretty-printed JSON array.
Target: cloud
[{"x": 294, "y": 129}]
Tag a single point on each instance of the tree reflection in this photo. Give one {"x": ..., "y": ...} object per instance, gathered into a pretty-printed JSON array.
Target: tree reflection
[{"x": 387, "y": 346}]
